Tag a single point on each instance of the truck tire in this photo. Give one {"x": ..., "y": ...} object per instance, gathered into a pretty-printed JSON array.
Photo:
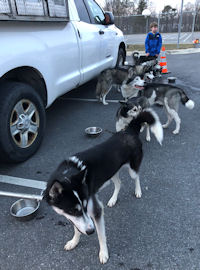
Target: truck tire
[
  {"x": 22, "y": 121},
  {"x": 121, "y": 57}
]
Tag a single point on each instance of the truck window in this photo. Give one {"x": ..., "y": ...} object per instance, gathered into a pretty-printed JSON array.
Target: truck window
[
  {"x": 82, "y": 11},
  {"x": 97, "y": 12}
]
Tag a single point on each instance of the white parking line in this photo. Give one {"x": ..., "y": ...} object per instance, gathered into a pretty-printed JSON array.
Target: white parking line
[
  {"x": 169, "y": 36},
  {"x": 91, "y": 100},
  {"x": 187, "y": 37},
  {"x": 22, "y": 182},
  {"x": 183, "y": 35}
]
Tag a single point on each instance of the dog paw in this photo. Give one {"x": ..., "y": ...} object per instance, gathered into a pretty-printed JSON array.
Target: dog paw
[
  {"x": 142, "y": 129},
  {"x": 148, "y": 138},
  {"x": 165, "y": 126},
  {"x": 103, "y": 256},
  {"x": 111, "y": 202},
  {"x": 175, "y": 131},
  {"x": 119, "y": 89},
  {"x": 70, "y": 245},
  {"x": 138, "y": 193}
]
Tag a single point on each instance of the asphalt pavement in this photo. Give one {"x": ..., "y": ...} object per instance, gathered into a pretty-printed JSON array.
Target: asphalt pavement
[{"x": 160, "y": 231}]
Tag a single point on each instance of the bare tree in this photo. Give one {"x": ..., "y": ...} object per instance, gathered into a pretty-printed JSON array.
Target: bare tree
[
  {"x": 189, "y": 7},
  {"x": 120, "y": 7},
  {"x": 152, "y": 8},
  {"x": 197, "y": 6},
  {"x": 169, "y": 13}
]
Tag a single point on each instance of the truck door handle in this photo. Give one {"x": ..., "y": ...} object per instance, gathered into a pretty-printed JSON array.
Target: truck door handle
[
  {"x": 101, "y": 32},
  {"x": 79, "y": 33}
]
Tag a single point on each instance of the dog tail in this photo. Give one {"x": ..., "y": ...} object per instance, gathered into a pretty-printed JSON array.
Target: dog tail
[
  {"x": 151, "y": 118},
  {"x": 186, "y": 101}
]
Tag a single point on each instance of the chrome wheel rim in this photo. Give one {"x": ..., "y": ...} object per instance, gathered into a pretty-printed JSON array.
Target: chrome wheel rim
[{"x": 24, "y": 123}]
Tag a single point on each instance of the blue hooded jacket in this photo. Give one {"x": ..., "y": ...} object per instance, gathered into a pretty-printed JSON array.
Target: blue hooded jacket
[{"x": 153, "y": 43}]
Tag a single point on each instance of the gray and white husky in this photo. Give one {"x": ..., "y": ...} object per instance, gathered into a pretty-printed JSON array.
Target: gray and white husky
[
  {"x": 110, "y": 77},
  {"x": 170, "y": 97},
  {"x": 131, "y": 88}
]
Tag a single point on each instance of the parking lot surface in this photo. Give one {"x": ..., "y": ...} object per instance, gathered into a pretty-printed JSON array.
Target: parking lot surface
[
  {"x": 168, "y": 38},
  {"x": 160, "y": 231}
]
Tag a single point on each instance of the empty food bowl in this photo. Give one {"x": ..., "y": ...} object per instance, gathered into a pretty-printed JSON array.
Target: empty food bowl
[
  {"x": 93, "y": 131},
  {"x": 171, "y": 79},
  {"x": 24, "y": 209}
]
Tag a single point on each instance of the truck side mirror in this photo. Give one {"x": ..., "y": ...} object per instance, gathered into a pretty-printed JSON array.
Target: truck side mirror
[{"x": 109, "y": 18}]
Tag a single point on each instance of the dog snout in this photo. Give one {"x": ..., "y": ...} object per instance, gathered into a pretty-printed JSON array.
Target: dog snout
[{"x": 90, "y": 231}]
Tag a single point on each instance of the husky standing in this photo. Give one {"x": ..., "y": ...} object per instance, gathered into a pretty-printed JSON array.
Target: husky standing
[
  {"x": 72, "y": 189},
  {"x": 169, "y": 96},
  {"x": 109, "y": 77}
]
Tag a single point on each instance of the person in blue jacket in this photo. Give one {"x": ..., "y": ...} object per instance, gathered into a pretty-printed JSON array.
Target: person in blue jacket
[{"x": 153, "y": 41}]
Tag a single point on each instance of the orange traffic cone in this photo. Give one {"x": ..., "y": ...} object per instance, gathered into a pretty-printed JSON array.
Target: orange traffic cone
[{"x": 163, "y": 61}]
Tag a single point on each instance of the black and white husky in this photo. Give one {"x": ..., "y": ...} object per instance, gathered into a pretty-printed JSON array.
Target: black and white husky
[
  {"x": 72, "y": 189},
  {"x": 129, "y": 110},
  {"x": 170, "y": 97}
]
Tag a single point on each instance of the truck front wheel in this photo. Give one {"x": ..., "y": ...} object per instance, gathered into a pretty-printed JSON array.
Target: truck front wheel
[{"x": 22, "y": 121}]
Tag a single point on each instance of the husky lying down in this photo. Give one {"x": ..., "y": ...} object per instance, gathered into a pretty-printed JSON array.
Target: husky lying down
[
  {"x": 144, "y": 66},
  {"x": 72, "y": 189}
]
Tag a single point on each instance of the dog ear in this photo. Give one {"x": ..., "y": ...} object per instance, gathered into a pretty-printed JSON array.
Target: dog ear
[{"x": 55, "y": 190}]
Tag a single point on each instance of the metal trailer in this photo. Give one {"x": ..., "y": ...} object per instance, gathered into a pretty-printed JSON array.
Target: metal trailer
[{"x": 37, "y": 10}]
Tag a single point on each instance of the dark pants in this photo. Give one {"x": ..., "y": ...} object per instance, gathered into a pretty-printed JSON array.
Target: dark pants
[{"x": 144, "y": 58}]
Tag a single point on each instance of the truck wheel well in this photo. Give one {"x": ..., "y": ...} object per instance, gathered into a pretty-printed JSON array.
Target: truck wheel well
[
  {"x": 30, "y": 76},
  {"x": 122, "y": 45}
]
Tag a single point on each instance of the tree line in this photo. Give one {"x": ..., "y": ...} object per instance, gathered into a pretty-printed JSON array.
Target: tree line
[{"x": 136, "y": 7}]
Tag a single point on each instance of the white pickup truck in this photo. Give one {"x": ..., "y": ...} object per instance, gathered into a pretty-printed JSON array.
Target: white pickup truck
[{"x": 48, "y": 47}]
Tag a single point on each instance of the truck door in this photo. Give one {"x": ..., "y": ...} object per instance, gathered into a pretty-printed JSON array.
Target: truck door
[
  {"x": 107, "y": 33},
  {"x": 90, "y": 43}
]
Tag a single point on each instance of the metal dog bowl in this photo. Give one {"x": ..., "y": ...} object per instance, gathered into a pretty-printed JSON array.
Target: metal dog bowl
[
  {"x": 93, "y": 131},
  {"x": 24, "y": 209},
  {"x": 171, "y": 79}
]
